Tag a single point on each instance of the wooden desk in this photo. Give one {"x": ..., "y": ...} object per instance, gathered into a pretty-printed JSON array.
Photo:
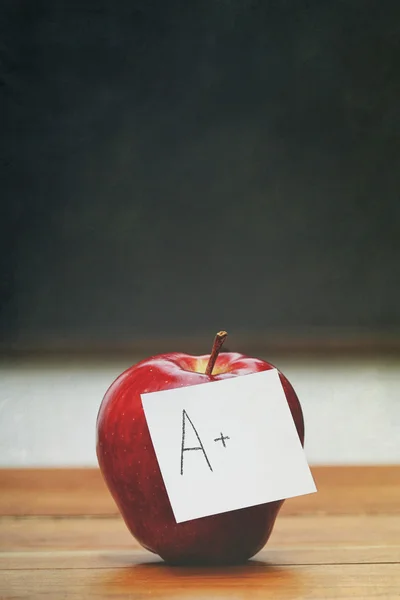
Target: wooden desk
[{"x": 61, "y": 537}]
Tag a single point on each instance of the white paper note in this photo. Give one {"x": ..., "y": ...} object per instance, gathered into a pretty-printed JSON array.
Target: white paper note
[{"x": 226, "y": 445}]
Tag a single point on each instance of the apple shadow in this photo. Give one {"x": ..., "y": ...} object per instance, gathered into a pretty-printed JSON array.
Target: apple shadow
[{"x": 255, "y": 578}]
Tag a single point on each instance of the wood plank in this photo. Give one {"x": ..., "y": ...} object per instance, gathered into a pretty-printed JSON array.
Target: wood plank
[
  {"x": 75, "y": 533},
  {"x": 341, "y": 490},
  {"x": 90, "y": 542},
  {"x": 289, "y": 555},
  {"x": 350, "y": 490},
  {"x": 54, "y": 492},
  {"x": 253, "y": 581},
  {"x": 343, "y": 542}
]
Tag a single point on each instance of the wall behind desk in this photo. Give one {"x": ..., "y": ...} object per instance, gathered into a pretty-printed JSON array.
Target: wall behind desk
[{"x": 48, "y": 408}]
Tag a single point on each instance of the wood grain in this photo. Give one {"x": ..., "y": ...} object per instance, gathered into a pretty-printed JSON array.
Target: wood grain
[
  {"x": 101, "y": 559},
  {"x": 252, "y": 581},
  {"x": 75, "y": 533},
  {"x": 341, "y": 490},
  {"x": 342, "y": 543}
]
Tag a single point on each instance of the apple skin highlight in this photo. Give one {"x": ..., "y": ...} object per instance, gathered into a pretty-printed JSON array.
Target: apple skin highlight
[{"x": 130, "y": 468}]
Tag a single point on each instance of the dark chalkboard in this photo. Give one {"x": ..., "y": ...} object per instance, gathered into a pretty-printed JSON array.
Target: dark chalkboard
[{"x": 171, "y": 167}]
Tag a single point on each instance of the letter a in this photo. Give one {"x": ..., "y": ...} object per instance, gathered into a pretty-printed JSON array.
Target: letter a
[{"x": 183, "y": 449}]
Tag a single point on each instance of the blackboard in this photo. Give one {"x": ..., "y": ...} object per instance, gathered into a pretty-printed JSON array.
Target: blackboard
[{"x": 170, "y": 168}]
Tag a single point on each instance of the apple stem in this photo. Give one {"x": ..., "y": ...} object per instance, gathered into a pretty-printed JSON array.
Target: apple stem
[{"x": 217, "y": 345}]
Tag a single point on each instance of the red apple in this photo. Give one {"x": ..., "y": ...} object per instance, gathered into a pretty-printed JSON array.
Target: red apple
[{"x": 131, "y": 471}]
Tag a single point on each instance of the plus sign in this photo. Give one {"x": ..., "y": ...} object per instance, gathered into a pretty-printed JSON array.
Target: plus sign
[{"x": 222, "y": 439}]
